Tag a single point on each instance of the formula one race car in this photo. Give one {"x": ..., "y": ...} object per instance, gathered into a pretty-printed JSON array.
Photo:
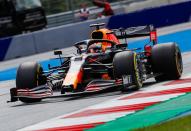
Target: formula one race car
[{"x": 101, "y": 62}]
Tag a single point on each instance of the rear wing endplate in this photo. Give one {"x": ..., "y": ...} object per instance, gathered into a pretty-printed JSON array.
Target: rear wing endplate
[{"x": 140, "y": 31}]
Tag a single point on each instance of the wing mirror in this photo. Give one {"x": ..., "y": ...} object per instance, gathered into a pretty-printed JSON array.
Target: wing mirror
[{"x": 57, "y": 52}]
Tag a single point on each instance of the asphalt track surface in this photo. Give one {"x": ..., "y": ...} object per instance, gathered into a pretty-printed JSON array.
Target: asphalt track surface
[{"x": 14, "y": 116}]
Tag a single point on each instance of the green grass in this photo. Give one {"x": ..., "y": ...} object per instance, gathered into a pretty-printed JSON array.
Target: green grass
[{"x": 180, "y": 124}]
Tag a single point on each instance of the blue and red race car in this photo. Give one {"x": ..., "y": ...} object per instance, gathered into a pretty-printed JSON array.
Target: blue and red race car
[{"x": 101, "y": 62}]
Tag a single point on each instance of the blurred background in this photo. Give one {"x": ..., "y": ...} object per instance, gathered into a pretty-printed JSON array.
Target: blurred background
[
  {"x": 46, "y": 25},
  {"x": 61, "y": 12},
  {"x": 58, "y": 6},
  {"x": 21, "y": 16}
]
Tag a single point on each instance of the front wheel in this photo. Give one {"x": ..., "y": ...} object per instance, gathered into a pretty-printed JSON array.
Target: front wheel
[
  {"x": 29, "y": 76},
  {"x": 126, "y": 63}
]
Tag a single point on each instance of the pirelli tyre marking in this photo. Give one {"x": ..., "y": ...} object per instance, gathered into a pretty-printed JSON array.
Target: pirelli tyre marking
[{"x": 138, "y": 80}]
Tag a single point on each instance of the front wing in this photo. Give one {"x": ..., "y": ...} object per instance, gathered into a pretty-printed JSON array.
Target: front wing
[{"x": 45, "y": 91}]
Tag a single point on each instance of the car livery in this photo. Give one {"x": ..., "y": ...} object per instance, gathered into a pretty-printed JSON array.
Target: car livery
[{"x": 101, "y": 63}]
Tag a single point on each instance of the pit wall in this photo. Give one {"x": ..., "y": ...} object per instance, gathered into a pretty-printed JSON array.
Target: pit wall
[
  {"x": 66, "y": 36},
  {"x": 45, "y": 40}
]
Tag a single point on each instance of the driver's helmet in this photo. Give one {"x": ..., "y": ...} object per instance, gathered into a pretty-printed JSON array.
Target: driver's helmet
[{"x": 95, "y": 48}]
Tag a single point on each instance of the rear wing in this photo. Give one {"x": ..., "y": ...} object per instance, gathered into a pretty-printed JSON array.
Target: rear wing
[{"x": 140, "y": 31}]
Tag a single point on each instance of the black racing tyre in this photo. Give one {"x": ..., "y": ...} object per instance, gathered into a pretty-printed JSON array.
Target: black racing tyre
[
  {"x": 29, "y": 76},
  {"x": 167, "y": 61},
  {"x": 126, "y": 63}
]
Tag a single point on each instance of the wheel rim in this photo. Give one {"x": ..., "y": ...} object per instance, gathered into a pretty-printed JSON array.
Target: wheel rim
[{"x": 179, "y": 64}]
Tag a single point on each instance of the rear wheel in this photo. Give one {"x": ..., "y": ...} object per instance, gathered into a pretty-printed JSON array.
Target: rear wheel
[
  {"x": 29, "y": 76},
  {"x": 167, "y": 61},
  {"x": 127, "y": 63}
]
